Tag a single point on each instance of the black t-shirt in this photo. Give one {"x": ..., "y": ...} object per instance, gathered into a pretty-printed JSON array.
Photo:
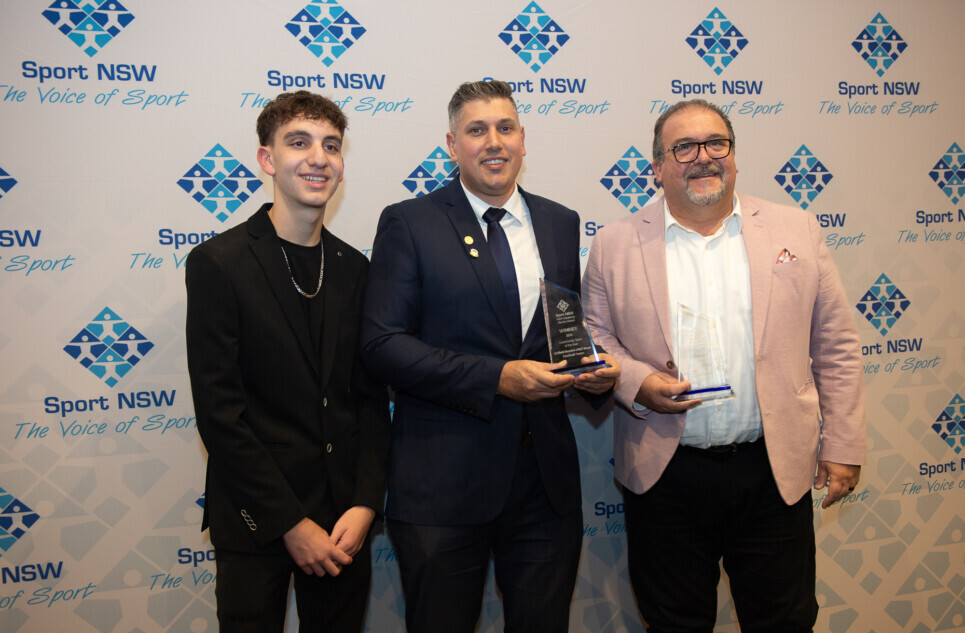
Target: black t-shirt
[{"x": 305, "y": 262}]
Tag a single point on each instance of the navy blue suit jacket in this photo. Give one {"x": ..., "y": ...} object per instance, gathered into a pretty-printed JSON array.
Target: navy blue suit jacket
[{"x": 436, "y": 328}]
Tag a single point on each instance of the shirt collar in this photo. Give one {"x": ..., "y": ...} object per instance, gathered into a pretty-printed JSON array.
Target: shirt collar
[
  {"x": 515, "y": 209},
  {"x": 735, "y": 218}
]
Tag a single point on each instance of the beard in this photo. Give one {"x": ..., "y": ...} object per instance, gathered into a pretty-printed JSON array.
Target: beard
[{"x": 709, "y": 197}]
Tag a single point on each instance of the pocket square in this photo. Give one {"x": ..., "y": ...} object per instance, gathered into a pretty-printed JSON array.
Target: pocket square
[{"x": 785, "y": 256}]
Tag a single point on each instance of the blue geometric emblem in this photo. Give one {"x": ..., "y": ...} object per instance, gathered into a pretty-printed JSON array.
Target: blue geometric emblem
[
  {"x": 15, "y": 519},
  {"x": 220, "y": 183},
  {"x": 534, "y": 36},
  {"x": 200, "y": 501},
  {"x": 949, "y": 173},
  {"x": 109, "y": 347},
  {"x": 883, "y": 304},
  {"x": 6, "y": 182},
  {"x": 950, "y": 425},
  {"x": 717, "y": 41},
  {"x": 631, "y": 180},
  {"x": 90, "y": 24},
  {"x": 879, "y": 44},
  {"x": 803, "y": 177},
  {"x": 437, "y": 170},
  {"x": 325, "y": 29}
]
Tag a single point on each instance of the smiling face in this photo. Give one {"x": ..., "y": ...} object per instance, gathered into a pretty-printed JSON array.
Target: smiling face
[
  {"x": 304, "y": 160},
  {"x": 487, "y": 142},
  {"x": 706, "y": 181}
]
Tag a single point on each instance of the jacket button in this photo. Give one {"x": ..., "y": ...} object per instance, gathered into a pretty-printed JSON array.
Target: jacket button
[
  {"x": 324, "y": 402},
  {"x": 670, "y": 364},
  {"x": 328, "y": 448}
]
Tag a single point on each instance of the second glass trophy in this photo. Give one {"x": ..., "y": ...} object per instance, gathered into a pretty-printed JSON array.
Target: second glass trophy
[{"x": 699, "y": 357}]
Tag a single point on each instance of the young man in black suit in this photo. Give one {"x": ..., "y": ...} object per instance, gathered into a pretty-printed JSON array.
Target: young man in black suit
[
  {"x": 295, "y": 429},
  {"x": 483, "y": 457}
]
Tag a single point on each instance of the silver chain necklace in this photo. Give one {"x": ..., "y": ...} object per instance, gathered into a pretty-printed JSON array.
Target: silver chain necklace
[{"x": 321, "y": 272}]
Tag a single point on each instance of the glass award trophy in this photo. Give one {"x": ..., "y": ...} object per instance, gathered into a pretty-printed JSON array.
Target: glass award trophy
[
  {"x": 566, "y": 330},
  {"x": 699, "y": 357}
]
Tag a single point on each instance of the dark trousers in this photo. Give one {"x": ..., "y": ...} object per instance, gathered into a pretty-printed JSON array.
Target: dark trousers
[
  {"x": 536, "y": 554},
  {"x": 712, "y": 505},
  {"x": 252, "y": 593}
]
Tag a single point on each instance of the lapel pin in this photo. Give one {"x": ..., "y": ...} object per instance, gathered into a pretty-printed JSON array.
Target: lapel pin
[
  {"x": 473, "y": 252},
  {"x": 467, "y": 239}
]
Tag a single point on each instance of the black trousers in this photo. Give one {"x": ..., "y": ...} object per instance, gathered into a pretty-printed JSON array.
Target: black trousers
[
  {"x": 709, "y": 506},
  {"x": 252, "y": 592},
  {"x": 536, "y": 554}
]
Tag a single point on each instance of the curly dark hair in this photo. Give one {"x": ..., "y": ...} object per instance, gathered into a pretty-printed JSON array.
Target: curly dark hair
[{"x": 292, "y": 105}]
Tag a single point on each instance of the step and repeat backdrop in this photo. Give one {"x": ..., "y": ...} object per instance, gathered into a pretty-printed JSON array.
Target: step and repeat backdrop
[{"x": 128, "y": 137}]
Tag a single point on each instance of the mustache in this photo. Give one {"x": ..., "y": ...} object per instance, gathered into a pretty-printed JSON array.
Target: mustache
[{"x": 704, "y": 170}]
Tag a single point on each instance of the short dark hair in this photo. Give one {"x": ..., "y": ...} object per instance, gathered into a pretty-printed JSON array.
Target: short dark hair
[
  {"x": 473, "y": 90},
  {"x": 293, "y": 105},
  {"x": 659, "y": 149}
]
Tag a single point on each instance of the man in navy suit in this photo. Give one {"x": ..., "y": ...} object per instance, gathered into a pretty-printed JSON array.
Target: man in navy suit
[
  {"x": 296, "y": 432},
  {"x": 483, "y": 459}
]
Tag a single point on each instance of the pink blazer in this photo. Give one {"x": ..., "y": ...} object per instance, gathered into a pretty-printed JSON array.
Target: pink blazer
[{"x": 806, "y": 348}]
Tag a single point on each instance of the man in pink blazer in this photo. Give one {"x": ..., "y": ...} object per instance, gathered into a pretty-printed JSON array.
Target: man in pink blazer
[{"x": 727, "y": 478}]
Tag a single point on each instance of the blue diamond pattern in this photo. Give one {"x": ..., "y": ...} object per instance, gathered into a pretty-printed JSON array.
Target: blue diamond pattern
[
  {"x": 90, "y": 24},
  {"x": 949, "y": 173},
  {"x": 879, "y": 44},
  {"x": 883, "y": 304},
  {"x": 950, "y": 424},
  {"x": 220, "y": 183},
  {"x": 717, "y": 41},
  {"x": 803, "y": 177},
  {"x": 534, "y": 36},
  {"x": 6, "y": 182},
  {"x": 631, "y": 180},
  {"x": 326, "y": 29},
  {"x": 437, "y": 170},
  {"x": 15, "y": 519},
  {"x": 109, "y": 347}
]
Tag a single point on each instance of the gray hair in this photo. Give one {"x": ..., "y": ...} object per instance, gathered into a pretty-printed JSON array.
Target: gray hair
[{"x": 659, "y": 149}]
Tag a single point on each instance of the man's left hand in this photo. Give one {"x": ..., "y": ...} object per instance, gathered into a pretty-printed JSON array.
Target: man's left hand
[
  {"x": 601, "y": 380},
  {"x": 351, "y": 529},
  {"x": 840, "y": 479}
]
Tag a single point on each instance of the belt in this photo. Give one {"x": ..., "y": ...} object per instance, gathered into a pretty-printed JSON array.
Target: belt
[{"x": 723, "y": 450}]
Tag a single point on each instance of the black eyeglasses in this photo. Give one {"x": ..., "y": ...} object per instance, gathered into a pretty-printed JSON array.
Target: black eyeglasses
[{"x": 688, "y": 152}]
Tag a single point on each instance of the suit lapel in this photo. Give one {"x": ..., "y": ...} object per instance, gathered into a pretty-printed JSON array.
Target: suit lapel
[
  {"x": 548, "y": 244},
  {"x": 466, "y": 224},
  {"x": 332, "y": 297},
  {"x": 546, "y": 239},
  {"x": 760, "y": 266},
  {"x": 652, "y": 233},
  {"x": 267, "y": 250}
]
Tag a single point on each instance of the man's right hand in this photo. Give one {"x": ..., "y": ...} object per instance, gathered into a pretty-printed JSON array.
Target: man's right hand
[
  {"x": 658, "y": 391},
  {"x": 529, "y": 381},
  {"x": 313, "y": 551}
]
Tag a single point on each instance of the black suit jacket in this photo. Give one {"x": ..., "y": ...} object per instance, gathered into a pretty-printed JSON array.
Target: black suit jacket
[
  {"x": 282, "y": 430},
  {"x": 437, "y": 329}
]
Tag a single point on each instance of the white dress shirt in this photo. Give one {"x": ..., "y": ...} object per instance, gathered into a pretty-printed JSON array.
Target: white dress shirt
[
  {"x": 710, "y": 274},
  {"x": 518, "y": 226}
]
